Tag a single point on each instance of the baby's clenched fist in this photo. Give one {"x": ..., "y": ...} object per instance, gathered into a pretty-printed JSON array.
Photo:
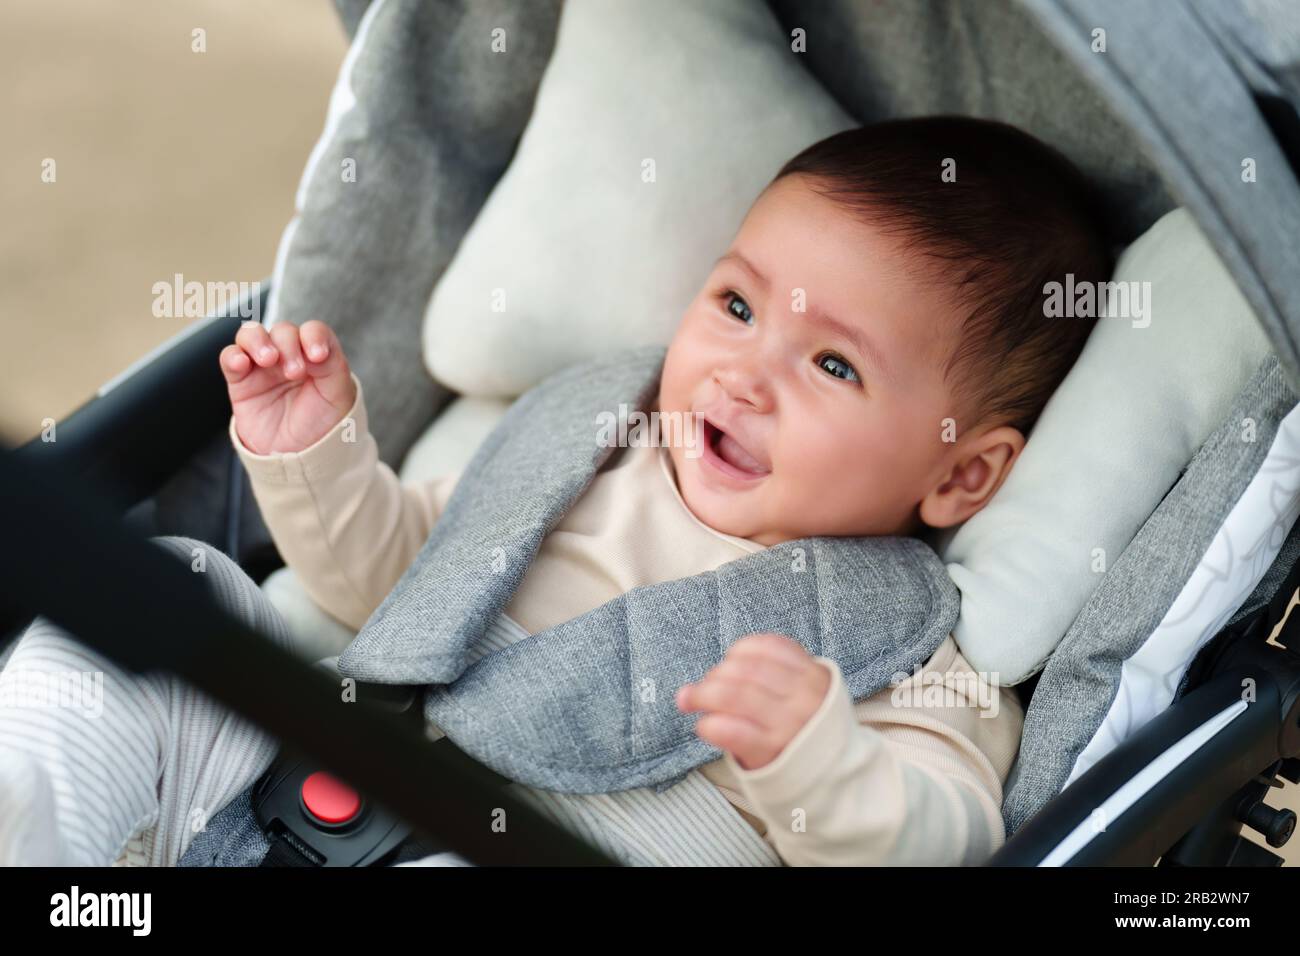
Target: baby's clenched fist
[{"x": 288, "y": 385}]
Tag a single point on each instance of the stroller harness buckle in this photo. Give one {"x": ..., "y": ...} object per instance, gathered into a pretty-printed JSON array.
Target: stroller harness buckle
[
  {"x": 328, "y": 800},
  {"x": 313, "y": 819}
]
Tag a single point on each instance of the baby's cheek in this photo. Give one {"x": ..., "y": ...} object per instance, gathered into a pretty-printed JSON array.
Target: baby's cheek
[
  {"x": 836, "y": 484},
  {"x": 816, "y": 457},
  {"x": 809, "y": 480}
]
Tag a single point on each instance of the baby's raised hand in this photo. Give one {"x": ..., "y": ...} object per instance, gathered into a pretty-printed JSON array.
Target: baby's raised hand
[
  {"x": 288, "y": 386},
  {"x": 757, "y": 698}
]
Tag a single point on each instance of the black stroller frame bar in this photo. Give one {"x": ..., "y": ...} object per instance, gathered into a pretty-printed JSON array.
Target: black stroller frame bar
[
  {"x": 156, "y": 419},
  {"x": 1241, "y": 728},
  {"x": 67, "y": 556}
]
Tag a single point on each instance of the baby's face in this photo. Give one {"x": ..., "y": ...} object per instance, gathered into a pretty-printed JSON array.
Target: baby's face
[{"x": 819, "y": 357}]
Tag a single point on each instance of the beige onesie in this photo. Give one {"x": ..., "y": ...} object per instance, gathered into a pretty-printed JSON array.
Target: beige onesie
[{"x": 912, "y": 774}]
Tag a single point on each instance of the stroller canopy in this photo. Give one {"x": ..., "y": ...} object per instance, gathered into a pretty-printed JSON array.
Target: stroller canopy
[{"x": 1191, "y": 103}]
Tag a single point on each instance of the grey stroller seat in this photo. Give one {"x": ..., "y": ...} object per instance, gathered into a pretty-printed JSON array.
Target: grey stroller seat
[{"x": 1163, "y": 119}]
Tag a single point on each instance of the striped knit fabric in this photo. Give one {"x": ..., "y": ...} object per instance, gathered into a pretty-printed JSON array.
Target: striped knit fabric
[
  {"x": 691, "y": 824},
  {"x": 99, "y": 765}
]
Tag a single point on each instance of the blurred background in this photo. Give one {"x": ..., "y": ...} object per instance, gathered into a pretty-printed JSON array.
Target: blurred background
[{"x": 166, "y": 161}]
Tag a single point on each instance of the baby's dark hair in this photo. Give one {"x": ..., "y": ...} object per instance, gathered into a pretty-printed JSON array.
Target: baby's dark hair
[{"x": 1015, "y": 215}]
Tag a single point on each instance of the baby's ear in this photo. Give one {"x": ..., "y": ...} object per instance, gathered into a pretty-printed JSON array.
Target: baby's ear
[{"x": 979, "y": 464}]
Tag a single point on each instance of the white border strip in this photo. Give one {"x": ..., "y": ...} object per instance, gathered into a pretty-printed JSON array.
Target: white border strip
[
  {"x": 1135, "y": 788},
  {"x": 1240, "y": 554}
]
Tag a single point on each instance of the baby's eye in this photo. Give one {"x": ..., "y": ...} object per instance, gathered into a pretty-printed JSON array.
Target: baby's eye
[
  {"x": 838, "y": 367},
  {"x": 732, "y": 301}
]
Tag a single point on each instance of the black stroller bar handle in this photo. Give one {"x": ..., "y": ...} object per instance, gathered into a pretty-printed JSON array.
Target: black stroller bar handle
[
  {"x": 1234, "y": 738},
  {"x": 178, "y": 393},
  {"x": 65, "y": 555}
]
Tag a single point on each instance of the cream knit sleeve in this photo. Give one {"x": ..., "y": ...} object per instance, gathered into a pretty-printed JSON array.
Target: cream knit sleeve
[
  {"x": 340, "y": 517},
  {"x": 902, "y": 778}
]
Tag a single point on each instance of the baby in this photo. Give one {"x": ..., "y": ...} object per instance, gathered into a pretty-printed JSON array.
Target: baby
[{"x": 867, "y": 357}]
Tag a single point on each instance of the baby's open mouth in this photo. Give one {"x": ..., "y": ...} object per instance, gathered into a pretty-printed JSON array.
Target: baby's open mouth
[{"x": 731, "y": 455}]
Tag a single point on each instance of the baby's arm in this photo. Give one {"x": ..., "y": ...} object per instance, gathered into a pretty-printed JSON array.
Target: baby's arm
[
  {"x": 909, "y": 781},
  {"x": 339, "y": 516}
]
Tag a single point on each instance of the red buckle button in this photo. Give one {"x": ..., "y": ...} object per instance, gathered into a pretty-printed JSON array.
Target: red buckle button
[{"x": 328, "y": 799}]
